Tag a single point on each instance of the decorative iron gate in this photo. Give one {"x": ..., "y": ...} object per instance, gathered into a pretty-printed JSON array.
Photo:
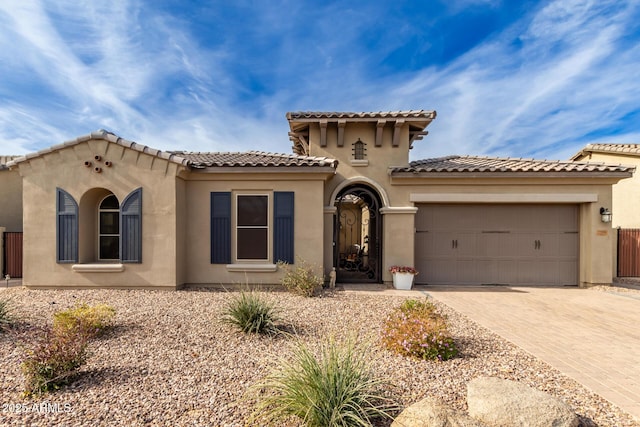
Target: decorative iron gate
[
  {"x": 628, "y": 252},
  {"x": 357, "y": 236},
  {"x": 13, "y": 254}
]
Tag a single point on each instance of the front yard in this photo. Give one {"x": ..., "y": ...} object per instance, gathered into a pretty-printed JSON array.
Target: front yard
[{"x": 171, "y": 361}]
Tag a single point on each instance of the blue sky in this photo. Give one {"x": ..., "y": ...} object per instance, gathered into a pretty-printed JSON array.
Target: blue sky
[{"x": 508, "y": 78}]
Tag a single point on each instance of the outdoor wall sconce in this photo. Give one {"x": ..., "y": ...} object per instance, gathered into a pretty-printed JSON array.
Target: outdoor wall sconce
[{"x": 605, "y": 215}]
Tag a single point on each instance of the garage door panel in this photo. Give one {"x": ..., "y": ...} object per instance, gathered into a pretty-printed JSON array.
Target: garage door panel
[{"x": 499, "y": 244}]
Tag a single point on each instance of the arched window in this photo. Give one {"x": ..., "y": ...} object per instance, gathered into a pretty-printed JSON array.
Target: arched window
[
  {"x": 109, "y": 229},
  {"x": 359, "y": 150}
]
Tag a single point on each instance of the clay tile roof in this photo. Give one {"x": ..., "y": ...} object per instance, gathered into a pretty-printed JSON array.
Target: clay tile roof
[
  {"x": 6, "y": 159},
  {"x": 408, "y": 114},
  {"x": 626, "y": 149},
  {"x": 496, "y": 164},
  {"x": 253, "y": 159},
  {"x": 108, "y": 136}
]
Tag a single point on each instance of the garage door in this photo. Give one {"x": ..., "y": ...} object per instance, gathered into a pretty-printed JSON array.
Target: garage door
[{"x": 497, "y": 244}]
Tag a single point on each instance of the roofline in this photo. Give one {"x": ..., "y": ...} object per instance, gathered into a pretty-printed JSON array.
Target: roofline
[
  {"x": 334, "y": 116},
  {"x": 514, "y": 174},
  {"x": 106, "y": 136},
  {"x": 306, "y": 169},
  {"x": 586, "y": 151}
]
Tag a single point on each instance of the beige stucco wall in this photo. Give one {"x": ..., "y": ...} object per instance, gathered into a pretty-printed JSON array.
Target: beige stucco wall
[
  {"x": 64, "y": 168},
  {"x": 596, "y": 238},
  {"x": 308, "y": 224},
  {"x": 626, "y": 193},
  {"x": 10, "y": 200}
]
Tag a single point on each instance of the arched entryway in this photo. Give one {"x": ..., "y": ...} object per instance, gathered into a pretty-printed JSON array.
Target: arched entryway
[{"x": 358, "y": 235}]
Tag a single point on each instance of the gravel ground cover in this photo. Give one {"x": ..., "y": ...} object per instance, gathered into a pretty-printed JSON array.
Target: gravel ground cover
[{"x": 170, "y": 361}]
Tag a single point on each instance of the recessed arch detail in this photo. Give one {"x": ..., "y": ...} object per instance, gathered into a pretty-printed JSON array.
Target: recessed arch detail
[{"x": 384, "y": 198}]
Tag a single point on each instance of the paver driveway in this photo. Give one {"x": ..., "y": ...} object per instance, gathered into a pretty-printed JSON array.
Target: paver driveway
[{"x": 591, "y": 336}]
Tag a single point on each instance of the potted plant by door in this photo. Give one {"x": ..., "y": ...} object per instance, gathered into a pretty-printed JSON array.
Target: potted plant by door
[{"x": 402, "y": 276}]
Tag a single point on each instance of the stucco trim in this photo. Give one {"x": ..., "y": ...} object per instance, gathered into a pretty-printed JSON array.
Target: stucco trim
[
  {"x": 503, "y": 198},
  {"x": 265, "y": 268},
  {"x": 361, "y": 180},
  {"x": 97, "y": 268},
  {"x": 398, "y": 210},
  {"x": 330, "y": 210}
]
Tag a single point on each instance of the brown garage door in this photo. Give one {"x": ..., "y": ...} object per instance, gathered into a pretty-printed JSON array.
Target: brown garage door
[{"x": 497, "y": 244}]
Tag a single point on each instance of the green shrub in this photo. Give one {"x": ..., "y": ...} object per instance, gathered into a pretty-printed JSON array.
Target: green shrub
[
  {"x": 251, "y": 313},
  {"x": 415, "y": 329},
  {"x": 301, "y": 279},
  {"x": 6, "y": 314},
  {"x": 93, "y": 320},
  {"x": 335, "y": 389},
  {"x": 54, "y": 359}
]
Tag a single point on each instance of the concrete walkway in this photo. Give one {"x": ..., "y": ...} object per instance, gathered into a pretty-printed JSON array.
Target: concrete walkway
[{"x": 591, "y": 336}]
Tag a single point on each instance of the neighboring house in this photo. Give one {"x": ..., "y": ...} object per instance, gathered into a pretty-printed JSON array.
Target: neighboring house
[
  {"x": 10, "y": 196},
  {"x": 626, "y": 193},
  {"x": 103, "y": 211},
  {"x": 10, "y": 212}
]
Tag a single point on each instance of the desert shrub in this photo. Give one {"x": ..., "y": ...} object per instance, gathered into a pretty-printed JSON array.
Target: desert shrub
[
  {"x": 54, "y": 358},
  {"x": 6, "y": 314},
  {"x": 335, "y": 389},
  {"x": 251, "y": 313},
  {"x": 416, "y": 329},
  {"x": 301, "y": 279},
  {"x": 93, "y": 320}
]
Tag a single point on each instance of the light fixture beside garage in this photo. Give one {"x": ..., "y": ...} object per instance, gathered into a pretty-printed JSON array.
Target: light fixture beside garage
[{"x": 605, "y": 215}]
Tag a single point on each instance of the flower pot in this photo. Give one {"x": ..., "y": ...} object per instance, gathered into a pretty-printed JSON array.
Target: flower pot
[{"x": 402, "y": 280}]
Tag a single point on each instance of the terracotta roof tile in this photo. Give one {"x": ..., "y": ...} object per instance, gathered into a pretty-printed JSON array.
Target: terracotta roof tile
[
  {"x": 6, "y": 159},
  {"x": 626, "y": 149},
  {"x": 497, "y": 164},
  {"x": 253, "y": 159},
  {"x": 408, "y": 114},
  {"x": 108, "y": 136}
]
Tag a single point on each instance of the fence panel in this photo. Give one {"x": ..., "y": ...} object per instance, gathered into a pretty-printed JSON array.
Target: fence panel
[
  {"x": 13, "y": 254},
  {"x": 628, "y": 252}
]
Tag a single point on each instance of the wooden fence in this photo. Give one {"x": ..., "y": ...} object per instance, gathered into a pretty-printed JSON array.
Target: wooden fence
[
  {"x": 13, "y": 254},
  {"x": 629, "y": 252}
]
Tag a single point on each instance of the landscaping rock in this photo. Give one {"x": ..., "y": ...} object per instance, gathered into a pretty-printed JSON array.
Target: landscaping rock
[
  {"x": 499, "y": 402},
  {"x": 430, "y": 412}
]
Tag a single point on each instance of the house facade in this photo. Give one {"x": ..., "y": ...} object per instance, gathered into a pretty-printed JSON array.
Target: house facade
[
  {"x": 102, "y": 211},
  {"x": 626, "y": 194}
]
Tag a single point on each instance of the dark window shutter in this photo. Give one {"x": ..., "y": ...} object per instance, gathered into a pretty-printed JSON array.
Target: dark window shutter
[
  {"x": 283, "y": 207},
  {"x": 66, "y": 227},
  {"x": 131, "y": 227},
  {"x": 220, "y": 228}
]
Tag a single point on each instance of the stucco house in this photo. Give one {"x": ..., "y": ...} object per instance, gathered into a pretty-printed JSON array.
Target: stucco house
[
  {"x": 626, "y": 193},
  {"x": 103, "y": 211}
]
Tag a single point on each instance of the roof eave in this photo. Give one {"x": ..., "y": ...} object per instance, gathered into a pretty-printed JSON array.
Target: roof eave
[
  {"x": 324, "y": 170},
  {"x": 511, "y": 175},
  {"x": 106, "y": 136}
]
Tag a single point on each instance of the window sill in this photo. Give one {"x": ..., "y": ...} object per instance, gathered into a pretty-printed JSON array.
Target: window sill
[
  {"x": 97, "y": 268},
  {"x": 264, "y": 268},
  {"x": 355, "y": 162}
]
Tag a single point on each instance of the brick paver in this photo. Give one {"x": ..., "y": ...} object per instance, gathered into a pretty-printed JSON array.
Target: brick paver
[{"x": 589, "y": 335}]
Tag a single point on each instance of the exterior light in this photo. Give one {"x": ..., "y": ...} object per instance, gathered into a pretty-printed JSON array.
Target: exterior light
[{"x": 605, "y": 215}]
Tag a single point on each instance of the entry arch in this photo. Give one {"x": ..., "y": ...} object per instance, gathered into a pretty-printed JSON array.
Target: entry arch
[{"x": 357, "y": 234}]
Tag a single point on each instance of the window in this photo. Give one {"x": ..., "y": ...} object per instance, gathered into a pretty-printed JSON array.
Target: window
[
  {"x": 100, "y": 229},
  {"x": 109, "y": 229},
  {"x": 359, "y": 150},
  {"x": 253, "y": 236},
  {"x": 252, "y": 229}
]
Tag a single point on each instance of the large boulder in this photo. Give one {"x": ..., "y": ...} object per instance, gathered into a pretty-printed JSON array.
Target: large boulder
[
  {"x": 431, "y": 413},
  {"x": 502, "y": 403}
]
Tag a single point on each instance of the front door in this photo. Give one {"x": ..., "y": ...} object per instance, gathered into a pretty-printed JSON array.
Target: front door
[{"x": 357, "y": 236}]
